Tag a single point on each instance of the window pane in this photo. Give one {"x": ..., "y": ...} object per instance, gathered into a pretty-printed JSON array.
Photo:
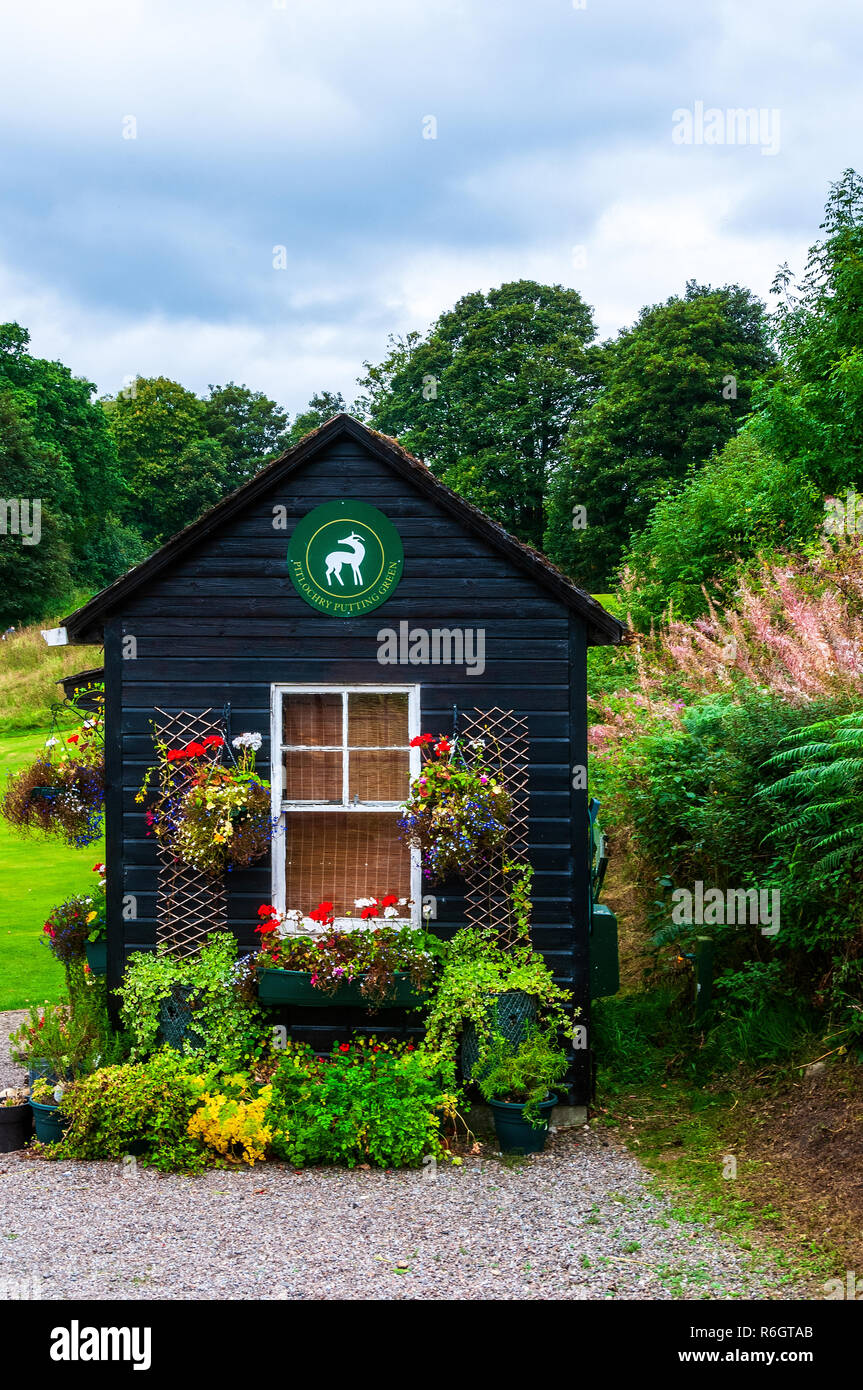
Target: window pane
[
  {"x": 312, "y": 777},
  {"x": 374, "y": 720},
  {"x": 338, "y": 857},
  {"x": 379, "y": 776},
  {"x": 310, "y": 720}
]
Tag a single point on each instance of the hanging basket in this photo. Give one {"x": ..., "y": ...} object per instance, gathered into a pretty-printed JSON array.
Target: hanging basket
[
  {"x": 508, "y": 1014},
  {"x": 176, "y": 1018},
  {"x": 97, "y": 956}
]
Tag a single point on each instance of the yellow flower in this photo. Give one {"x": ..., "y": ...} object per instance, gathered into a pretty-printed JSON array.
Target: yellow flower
[{"x": 91, "y": 917}]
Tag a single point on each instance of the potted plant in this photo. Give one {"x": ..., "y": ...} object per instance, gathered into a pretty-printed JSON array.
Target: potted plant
[
  {"x": 59, "y": 1042},
  {"x": 518, "y": 1081},
  {"x": 16, "y": 1119},
  {"x": 63, "y": 791},
  {"x": 213, "y": 817},
  {"x": 381, "y": 962},
  {"x": 75, "y": 930},
  {"x": 96, "y": 945},
  {"x": 486, "y": 989},
  {"x": 45, "y": 1099},
  {"x": 457, "y": 810}
]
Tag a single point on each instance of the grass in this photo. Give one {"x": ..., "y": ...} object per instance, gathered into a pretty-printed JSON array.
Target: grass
[
  {"x": 35, "y": 875},
  {"x": 29, "y": 672}
]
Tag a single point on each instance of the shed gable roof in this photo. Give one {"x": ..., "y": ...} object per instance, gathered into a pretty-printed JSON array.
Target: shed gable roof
[{"x": 85, "y": 624}]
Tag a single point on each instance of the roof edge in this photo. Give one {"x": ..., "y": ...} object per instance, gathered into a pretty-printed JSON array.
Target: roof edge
[{"x": 603, "y": 628}]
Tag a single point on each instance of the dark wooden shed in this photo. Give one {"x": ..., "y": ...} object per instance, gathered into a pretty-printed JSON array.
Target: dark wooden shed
[{"x": 228, "y": 617}]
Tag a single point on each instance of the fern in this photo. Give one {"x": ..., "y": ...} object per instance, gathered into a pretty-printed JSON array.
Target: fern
[{"x": 827, "y": 778}]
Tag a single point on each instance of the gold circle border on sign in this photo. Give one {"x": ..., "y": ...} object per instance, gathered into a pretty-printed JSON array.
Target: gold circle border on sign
[{"x": 340, "y": 521}]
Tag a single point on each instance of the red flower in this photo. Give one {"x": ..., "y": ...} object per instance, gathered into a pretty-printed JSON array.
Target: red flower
[
  {"x": 175, "y": 753},
  {"x": 195, "y": 750},
  {"x": 371, "y": 911},
  {"x": 73, "y": 739},
  {"x": 344, "y": 1047},
  {"x": 266, "y": 927},
  {"x": 391, "y": 900},
  {"x": 267, "y": 910},
  {"x": 442, "y": 746},
  {"x": 323, "y": 913},
  {"x": 213, "y": 741},
  {"x": 422, "y": 739}
]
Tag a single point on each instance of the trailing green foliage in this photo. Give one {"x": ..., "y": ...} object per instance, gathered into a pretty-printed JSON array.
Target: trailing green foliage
[
  {"x": 227, "y": 1021},
  {"x": 476, "y": 970}
]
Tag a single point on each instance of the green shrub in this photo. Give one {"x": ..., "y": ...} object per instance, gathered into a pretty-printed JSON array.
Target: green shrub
[
  {"x": 150, "y": 1101},
  {"x": 369, "y": 1102}
]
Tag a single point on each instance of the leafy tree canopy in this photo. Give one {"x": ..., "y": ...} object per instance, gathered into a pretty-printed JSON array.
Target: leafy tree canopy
[
  {"x": 487, "y": 396},
  {"x": 675, "y": 388},
  {"x": 249, "y": 427}
]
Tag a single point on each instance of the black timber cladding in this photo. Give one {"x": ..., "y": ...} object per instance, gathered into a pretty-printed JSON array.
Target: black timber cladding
[{"x": 222, "y": 622}]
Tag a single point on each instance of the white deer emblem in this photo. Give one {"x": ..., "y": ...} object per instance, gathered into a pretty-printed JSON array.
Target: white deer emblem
[{"x": 353, "y": 557}]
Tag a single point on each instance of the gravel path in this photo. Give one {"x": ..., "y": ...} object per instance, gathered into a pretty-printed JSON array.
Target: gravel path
[{"x": 579, "y": 1221}]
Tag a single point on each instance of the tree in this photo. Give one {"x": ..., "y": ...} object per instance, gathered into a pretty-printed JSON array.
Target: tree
[
  {"x": 62, "y": 432},
  {"x": 161, "y": 435},
  {"x": 322, "y": 407},
  {"x": 813, "y": 415},
  {"x": 742, "y": 503},
  {"x": 487, "y": 396},
  {"x": 33, "y": 577},
  {"x": 250, "y": 428},
  {"x": 675, "y": 388}
]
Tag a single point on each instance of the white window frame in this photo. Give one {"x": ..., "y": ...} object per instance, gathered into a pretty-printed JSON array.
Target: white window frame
[{"x": 281, "y": 805}]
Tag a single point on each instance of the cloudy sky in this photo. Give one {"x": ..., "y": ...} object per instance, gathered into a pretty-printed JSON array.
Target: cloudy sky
[{"x": 156, "y": 154}]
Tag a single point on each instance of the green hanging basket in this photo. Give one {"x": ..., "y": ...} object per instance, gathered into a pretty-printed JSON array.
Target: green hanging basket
[
  {"x": 176, "y": 1017},
  {"x": 508, "y": 1014}
]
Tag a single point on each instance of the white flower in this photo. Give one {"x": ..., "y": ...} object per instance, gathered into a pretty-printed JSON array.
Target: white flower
[
  {"x": 247, "y": 740},
  {"x": 391, "y": 912},
  {"x": 364, "y": 902},
  {"x": 51, "y": 742}
]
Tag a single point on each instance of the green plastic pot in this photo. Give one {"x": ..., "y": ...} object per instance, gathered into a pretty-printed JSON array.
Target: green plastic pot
[
  {"x": 97, "y": 957},
  {"x": 515, "y": 1134},
  {"x": 50, "y": 1128},
  {"x": 295, "y": 987}
]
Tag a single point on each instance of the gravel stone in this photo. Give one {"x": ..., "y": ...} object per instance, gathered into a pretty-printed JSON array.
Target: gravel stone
[{"x": 579, "y": 1221}]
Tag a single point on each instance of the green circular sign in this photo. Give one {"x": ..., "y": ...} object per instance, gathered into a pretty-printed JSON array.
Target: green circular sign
[{"x": 345, "y": 558}]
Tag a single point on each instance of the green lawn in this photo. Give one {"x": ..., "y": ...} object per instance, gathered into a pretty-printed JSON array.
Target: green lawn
[{"x": 34, "y": 875}]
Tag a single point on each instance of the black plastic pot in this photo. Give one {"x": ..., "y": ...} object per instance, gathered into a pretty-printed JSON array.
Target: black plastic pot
[{"x": 16, "y": 1126}]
